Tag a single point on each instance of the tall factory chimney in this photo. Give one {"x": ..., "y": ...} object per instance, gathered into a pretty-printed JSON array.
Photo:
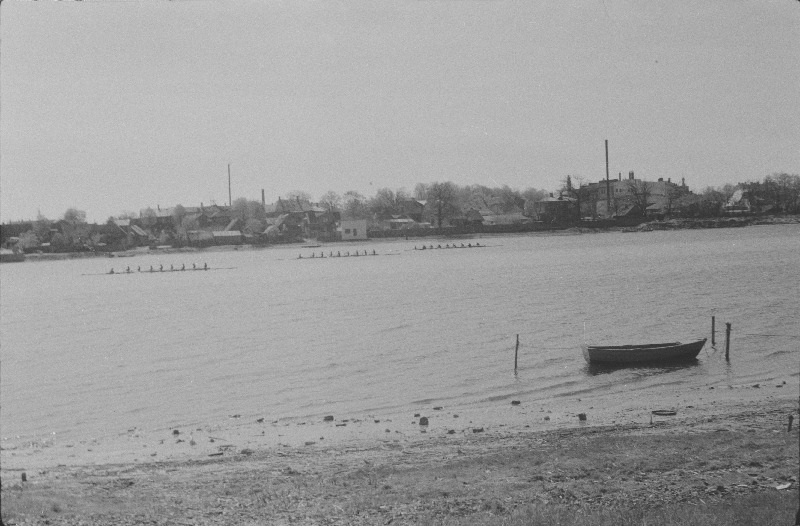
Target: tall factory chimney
[
  {"x": 608, "y": 186},
  {"x": 230, "y": 202}
]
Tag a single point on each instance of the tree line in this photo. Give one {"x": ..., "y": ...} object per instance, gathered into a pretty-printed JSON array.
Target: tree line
[{"x": 776, "y": 193}]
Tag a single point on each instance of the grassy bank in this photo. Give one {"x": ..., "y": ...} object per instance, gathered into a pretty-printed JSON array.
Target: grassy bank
[{"x": 722, "y": 470}]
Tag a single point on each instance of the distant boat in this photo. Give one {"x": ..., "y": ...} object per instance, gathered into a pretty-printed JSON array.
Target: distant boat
[{"x": 637, "y": 354}]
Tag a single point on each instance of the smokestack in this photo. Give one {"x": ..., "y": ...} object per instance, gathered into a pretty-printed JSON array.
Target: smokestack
[
  {"x": 683, "y": 181},
  {"x": 630, "y": 175},
  {"x": 230, "y": 202},
  {"x": 263, "y": 199},
  {"x": 620, "y": 176},
  {"x": 608, "y": 186}
]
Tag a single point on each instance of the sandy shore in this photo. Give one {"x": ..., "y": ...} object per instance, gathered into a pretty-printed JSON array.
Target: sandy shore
[{"x": 722, "y": 443}]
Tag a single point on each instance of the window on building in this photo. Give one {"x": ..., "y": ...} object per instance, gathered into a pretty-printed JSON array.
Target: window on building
[
  {"x": 355, "y": 231},
  {"x": 346, "y": 230}
]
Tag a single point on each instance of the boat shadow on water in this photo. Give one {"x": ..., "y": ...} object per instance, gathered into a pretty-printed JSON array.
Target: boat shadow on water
[{"x": 643, "y": 369}]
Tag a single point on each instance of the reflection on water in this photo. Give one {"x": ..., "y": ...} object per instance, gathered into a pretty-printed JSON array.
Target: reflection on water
[
  {"x": 643, "y": 369},
  {"x": 288, "y": 338}
]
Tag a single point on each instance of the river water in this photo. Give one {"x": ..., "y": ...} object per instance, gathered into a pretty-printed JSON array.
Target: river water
[{"x": 83, "y": 354}]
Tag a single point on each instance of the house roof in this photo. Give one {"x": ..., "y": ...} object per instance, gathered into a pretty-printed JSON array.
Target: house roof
[
  {"x": 560, "y": 199},
  {"x": 232, "y": 224},
  {"x": 505, "y": 219}
]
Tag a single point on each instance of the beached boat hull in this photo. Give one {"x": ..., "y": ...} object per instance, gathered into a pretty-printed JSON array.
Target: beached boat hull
[{"x": 636, "y": 354}]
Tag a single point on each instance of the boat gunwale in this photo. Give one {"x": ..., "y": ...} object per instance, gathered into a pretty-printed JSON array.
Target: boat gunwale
[{"x": 647, "y": 346}]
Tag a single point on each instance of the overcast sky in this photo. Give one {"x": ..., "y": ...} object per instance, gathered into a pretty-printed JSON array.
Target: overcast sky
[{"x": 110, "y": 106}]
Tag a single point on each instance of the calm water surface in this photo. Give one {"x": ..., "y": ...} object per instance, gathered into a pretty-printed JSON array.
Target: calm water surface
[{"x": 92, "y": 355}]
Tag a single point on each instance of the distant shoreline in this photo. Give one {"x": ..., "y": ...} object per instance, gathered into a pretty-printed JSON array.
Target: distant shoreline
[{"x": 650, "y": 226}]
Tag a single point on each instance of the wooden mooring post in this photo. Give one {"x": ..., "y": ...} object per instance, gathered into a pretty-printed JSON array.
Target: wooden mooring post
[
  {"x": 516, "y": 352},
  {"x": 728, "y": 342},
  {"x": 713, "y": 330}
]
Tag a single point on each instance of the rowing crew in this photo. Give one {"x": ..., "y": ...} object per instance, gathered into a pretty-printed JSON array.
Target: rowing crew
[
  {"x": 160, "y": 269},
  {"x": 337, "y": 255},
  {"x": 468, "y": 245}
]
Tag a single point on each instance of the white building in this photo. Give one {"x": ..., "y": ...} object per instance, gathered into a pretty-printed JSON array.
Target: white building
[{"x": 352, "y": 230}]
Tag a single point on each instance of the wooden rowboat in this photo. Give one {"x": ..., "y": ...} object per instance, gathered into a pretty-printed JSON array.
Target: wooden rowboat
[{"x": 636, "y": 354}]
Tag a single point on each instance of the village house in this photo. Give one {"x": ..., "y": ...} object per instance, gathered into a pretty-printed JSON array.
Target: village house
[
  {"x": 353, "y": 229},
  {"x": 413, "y": 209},
  {"x": 559, "y": 209},
  {"x": 296, "y": 218}
]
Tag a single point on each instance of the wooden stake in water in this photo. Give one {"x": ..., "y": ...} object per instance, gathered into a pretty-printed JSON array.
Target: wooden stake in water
[
  {"x": 727, "y": 341},
  {"x": 713, "y": 330},
  {"x": 516, "y": 352}
]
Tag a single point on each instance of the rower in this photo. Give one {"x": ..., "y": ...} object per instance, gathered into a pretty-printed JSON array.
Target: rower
[
  {"x": 183, "y": 267},
  {"x": 128, "y": 269},
  {"x": 161, "y": 268},
  {"x": 194, "y": 266},
  {"x": 205, "y": 266},
  {"x": 111, "y": 271}
]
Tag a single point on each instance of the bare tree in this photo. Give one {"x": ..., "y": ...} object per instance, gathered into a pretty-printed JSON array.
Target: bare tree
[
  {"x": 442, "y": 197},
  {"x": 387, "y": 200},
  {"x": 75, "y": 216},
  {"x": 639, "y": 193},
  {"x": 331, "y": 200},
  {"x": 178, "y": 214},
  {"x": 186, "y": 225},
  {"x": 354, "y": 205},
  {"x": 42, "y": 227}
]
